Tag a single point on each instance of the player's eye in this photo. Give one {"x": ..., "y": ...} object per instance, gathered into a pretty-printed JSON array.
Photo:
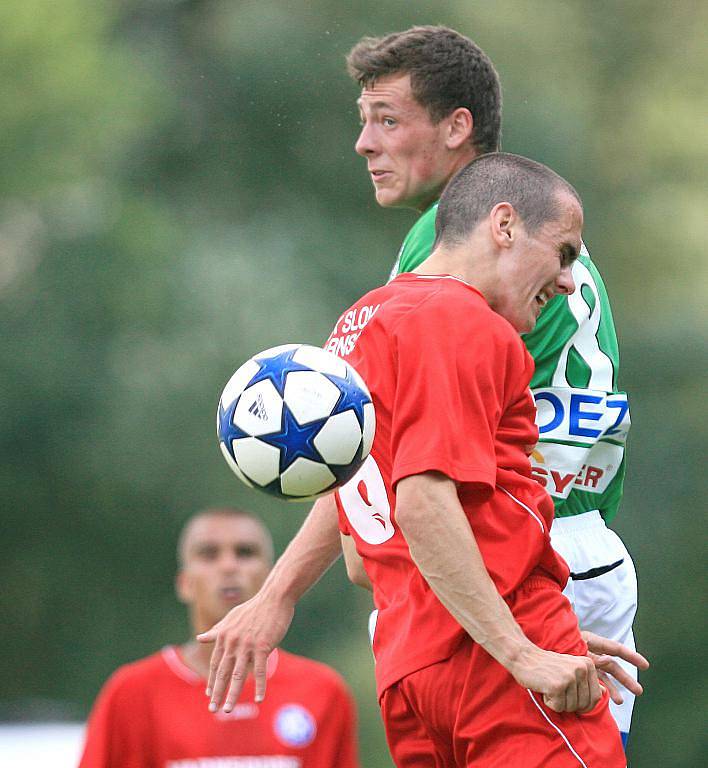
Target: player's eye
[
  {"x": 389, "y": 122},
  {"x": 207, "y": 553},
  {"x": 246, "y": 552}
]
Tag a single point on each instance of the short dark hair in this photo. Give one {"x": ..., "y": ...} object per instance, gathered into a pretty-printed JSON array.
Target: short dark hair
[
  {"x": 532, "y": 188},
  {"x": 221, "y": 512},
  {"x": 447, "y": 71}
]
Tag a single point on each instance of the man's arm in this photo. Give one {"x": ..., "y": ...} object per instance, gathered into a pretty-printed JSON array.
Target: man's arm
[
  {"x": 248, "y": 633},
  {"x": 443, "y": 547},
  {"x": 355, "y": 565}
]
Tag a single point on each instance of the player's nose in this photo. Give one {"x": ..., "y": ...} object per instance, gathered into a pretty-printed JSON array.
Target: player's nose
[
  {"x": 366, "y": 143},
  {"x": 564, "y": 282}
]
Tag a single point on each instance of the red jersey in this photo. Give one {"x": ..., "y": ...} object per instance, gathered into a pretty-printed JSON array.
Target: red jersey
[
  {"x": 449, "y": 381},
  {"x": 153, "y": 714}
]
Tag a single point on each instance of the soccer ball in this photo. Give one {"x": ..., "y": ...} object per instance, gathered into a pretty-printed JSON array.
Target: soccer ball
[{"x": 295, "y": 421}]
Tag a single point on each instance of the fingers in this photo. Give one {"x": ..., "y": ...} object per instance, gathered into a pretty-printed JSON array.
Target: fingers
[
  {"x": 234, "y": 679},
  {"x": 580, "y": 692},
  {"x": 220, "y": 669},
  {"x": 208, "y": 637},
  {"x": 623, "y": 677},
  {"x": 260, "y": 666},
  {"x": 214, "y": 663},
  {"x": 555, "y": 701},
  {"x": 591, "y": 689},
  {"x": 612, "y": 689},
  {"x": 599, "y": 644},
  {"x": 609, "y": 667},
  {"x": 595, "y": 689}
]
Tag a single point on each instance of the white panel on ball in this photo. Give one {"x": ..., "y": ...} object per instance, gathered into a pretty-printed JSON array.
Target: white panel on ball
[
  {"x": 339, "y": 438},
  {"x": 258, "y": 460},
  {"x": 320, "y": 360},
  {"x": 238, "y": 381},
  {"x": 369, "y": 428},
  {"x": 234, "y": 466},
  {"x": 310, "y": 395},
  {"x": 260, "y": 409},
  {"x": 305, "y": 478}
]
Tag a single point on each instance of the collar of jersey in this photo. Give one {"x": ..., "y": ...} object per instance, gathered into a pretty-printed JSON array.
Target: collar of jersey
[
  {"x": 417, "y": 276},
  {"x": 174, "y": 661}
]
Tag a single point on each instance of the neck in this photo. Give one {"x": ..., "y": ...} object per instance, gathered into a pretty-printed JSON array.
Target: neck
[
  {"x": 463, "y": 263},
  {"x": 196, "y": 656}
]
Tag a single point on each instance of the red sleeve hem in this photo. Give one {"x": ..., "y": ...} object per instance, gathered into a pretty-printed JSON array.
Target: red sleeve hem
[{"x": 460, "y": 473}]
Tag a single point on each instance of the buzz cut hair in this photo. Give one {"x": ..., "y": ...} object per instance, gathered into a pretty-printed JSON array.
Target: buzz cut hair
[
  {"x": 232, "y": 512},
  {"x": 447, "y": 71},
  {"x": 532, "y": 189}
]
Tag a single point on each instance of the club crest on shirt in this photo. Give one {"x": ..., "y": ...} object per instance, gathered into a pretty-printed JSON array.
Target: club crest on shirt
[{"x": 294, "y": 726}]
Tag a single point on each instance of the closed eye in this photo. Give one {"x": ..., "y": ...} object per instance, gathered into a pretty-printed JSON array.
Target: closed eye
[{"x": 568, "y": 254}]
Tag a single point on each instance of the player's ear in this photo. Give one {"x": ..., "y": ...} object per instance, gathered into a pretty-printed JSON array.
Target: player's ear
[
  {"x": 460, "y": 128},
  {"x": 183, "y": 587},
  {"x": 503, "y": 221}
]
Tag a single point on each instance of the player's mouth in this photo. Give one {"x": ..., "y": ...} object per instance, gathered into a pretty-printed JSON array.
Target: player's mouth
[
  {"x": 231, "y": 594},
  {"x": 379, "y": 175},
  {"x": 542, "y": 299}
]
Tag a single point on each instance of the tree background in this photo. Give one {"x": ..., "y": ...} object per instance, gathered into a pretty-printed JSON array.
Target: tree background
[{"x": 180, "y": 191}]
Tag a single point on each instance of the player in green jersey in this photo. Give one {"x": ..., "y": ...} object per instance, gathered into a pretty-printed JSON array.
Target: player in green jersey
[
  {"x": 431, "y": 132},
  {"x": 431, "y": 102}
]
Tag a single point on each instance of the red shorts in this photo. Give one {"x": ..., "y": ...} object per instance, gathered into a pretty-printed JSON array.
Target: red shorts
[{"x": 469, "y": 711}]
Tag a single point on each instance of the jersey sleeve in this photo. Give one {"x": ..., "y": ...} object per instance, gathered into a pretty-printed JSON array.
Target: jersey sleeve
[
  {"x": 114, "y": 734},
  {"x": 449, "y": 392},
  {"x": 418, "y": 242}
]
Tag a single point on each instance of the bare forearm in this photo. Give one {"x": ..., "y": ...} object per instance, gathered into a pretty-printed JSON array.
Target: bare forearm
[
  {"x": 308, "y": 556},
  {"x": 444, "y": 549},
  {"x": 355, "y": 566}
]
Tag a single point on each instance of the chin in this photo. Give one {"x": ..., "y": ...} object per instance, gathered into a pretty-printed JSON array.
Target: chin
[{"x": 387, "y": 199}]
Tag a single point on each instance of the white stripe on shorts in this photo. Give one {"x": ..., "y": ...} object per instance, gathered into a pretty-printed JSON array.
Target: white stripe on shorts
[
  {"x": 555, "y": 727},
  {"x": 528, "y": 509},
  {"x": 558, "y": 730}
]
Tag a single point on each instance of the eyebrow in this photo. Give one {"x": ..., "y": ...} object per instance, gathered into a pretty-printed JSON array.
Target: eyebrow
[{"x": 376, "y": 104}]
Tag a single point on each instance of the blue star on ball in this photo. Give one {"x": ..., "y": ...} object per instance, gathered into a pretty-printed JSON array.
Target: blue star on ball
[
  {"x": 352, "y": 398},
  {"x": 228, "y": 431},
  {"x": 295, "y": 440},
  {"x": 276, "y": 369}
]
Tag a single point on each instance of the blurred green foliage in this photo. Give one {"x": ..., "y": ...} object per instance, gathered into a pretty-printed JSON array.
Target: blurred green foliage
[{"x": 180, "y": 191}]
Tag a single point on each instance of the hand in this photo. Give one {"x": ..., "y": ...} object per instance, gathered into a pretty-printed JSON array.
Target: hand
[
  {"x": 604, "y": 654},
  {"x": 244, "y": 639},
  {"x": 568, "y": 683}
]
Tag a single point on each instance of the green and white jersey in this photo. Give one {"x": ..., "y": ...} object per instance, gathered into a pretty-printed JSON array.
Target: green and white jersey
[{"x": 582, "y": 418}]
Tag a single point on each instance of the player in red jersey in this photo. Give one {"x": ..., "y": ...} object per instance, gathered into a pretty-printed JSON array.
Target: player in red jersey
[
  {"x": 479, "y": 659},
  {"x": 151, "y": 714}
]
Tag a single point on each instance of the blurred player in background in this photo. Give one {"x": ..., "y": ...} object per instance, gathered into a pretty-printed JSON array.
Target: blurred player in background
[
  {"x": 151, "y": 713},
  {"x": 430, "y": 103}
]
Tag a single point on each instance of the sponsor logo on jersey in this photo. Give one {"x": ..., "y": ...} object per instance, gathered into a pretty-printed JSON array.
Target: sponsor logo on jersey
[
  {"x": 581, "y": 415},
  {"x": 294, "y": 726},
  {"x": 343, "y": 338},
  {"x": 239, "y": 712},
  {"x": 562, "y": 468}
]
